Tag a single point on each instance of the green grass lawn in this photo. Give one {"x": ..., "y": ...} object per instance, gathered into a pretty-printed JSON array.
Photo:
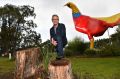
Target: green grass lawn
[
  {"x": 6, "y": 65},
  {"x": 100, "y": 68}
]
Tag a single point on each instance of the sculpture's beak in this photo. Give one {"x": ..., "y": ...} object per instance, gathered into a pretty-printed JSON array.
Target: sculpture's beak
[{"x": 65, "y": 4}]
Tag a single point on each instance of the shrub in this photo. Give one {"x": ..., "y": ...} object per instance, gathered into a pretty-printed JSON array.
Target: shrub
[
  {"x": 75, "y": 47},
  {"x": 98, "y": 52},
  {"x": 108, "y": 50},
  {"x": 90, "y": 52},
  {"x": 116, "y": 51},
  {"x": 112, "y": 50}
]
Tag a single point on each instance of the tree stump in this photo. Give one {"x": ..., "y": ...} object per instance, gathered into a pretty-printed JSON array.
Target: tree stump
[
  {"x": 27, "y": 63},
  {"x": 60, "y": 69}
]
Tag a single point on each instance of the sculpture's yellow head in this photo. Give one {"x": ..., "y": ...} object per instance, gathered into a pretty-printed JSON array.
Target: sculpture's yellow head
[{"x": 73, "y": 7}]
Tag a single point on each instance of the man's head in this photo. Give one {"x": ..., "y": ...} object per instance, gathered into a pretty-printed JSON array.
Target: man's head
[{"x": 55, "y": 19}]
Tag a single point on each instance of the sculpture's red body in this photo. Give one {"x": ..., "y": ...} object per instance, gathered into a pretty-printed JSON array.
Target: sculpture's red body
[{"x": 90, "y": 26}]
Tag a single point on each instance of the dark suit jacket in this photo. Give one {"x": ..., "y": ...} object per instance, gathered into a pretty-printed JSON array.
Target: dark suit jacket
[{"x": 60, "y": 31}]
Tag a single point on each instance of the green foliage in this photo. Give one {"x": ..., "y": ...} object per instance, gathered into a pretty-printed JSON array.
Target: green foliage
[
  {"x": 47, "y": 54},
  {"x": 17, "y": 31},
  {"x": 98, "y": 53},
  {"x": 99, "y": 44},
  {"x": 116, "y": 37},
  {"x": 90, "y": 52},
  {"x": 75, "y": 47},
  {"x": 108, "y": 50},
  {"x": 114, "y": 49}
]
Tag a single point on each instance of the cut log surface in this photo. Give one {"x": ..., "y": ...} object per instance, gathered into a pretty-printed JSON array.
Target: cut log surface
[
  {"x": 26, "y": 62},
  {"x": 60, "y": 69}
]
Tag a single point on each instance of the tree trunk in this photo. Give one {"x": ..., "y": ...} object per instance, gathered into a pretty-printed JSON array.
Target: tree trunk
[
  {"x": 27, "y": 62},
  {"x": 60, "y": 69}
]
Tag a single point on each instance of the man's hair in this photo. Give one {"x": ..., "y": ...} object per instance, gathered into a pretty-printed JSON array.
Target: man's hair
[{"x": 55, "y": 15}]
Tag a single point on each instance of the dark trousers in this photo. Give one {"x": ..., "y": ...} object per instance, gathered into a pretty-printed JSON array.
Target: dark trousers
[{"x": 59, "y": 47}]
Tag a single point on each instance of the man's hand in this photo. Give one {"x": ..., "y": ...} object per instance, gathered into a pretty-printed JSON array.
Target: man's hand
[{"x": 54, "y": 42}]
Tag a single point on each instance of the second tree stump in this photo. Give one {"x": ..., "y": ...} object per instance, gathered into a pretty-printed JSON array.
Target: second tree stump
[{"x": 60, "y": 69}]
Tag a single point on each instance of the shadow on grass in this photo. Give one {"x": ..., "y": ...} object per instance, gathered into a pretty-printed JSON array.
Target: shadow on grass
[{"x": 9, "y": 75}]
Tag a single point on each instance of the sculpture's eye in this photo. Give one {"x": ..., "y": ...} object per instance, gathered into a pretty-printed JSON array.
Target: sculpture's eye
[{"x": 69, "y": 5}]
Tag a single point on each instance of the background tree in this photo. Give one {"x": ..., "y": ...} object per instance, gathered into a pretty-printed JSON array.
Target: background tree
[
  {"x": 116, "y": 36},
  {"x": 17, "y": 29}
]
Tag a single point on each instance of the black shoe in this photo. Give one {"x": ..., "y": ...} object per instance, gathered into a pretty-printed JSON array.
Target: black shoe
[
  {"x": 62, "y": 57},
  {"x": 58, "y": 58}
]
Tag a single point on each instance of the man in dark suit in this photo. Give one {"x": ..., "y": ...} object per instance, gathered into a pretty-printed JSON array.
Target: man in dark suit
[{"x": 58, "y": 36}]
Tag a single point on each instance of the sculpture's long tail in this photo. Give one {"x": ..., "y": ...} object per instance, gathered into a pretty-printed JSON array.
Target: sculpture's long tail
[{"x": 111, "y": 21}]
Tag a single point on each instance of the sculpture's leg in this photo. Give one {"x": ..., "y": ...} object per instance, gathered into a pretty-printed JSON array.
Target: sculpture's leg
[
  {"x": 92, "y": 43},
  {"x": 91, "y": 38}
]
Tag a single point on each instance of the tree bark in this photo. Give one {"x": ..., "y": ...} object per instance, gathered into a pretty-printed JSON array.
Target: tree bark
[
  {"x": 27, "y": 62},
  {"x": 60, "y": 69}
]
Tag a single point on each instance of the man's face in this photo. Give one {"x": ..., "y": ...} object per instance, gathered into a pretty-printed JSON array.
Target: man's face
[{"x": 55, "y": 20}]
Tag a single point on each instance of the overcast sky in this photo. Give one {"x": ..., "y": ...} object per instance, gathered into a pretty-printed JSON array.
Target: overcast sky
[{"x": 44, "y": 9}]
